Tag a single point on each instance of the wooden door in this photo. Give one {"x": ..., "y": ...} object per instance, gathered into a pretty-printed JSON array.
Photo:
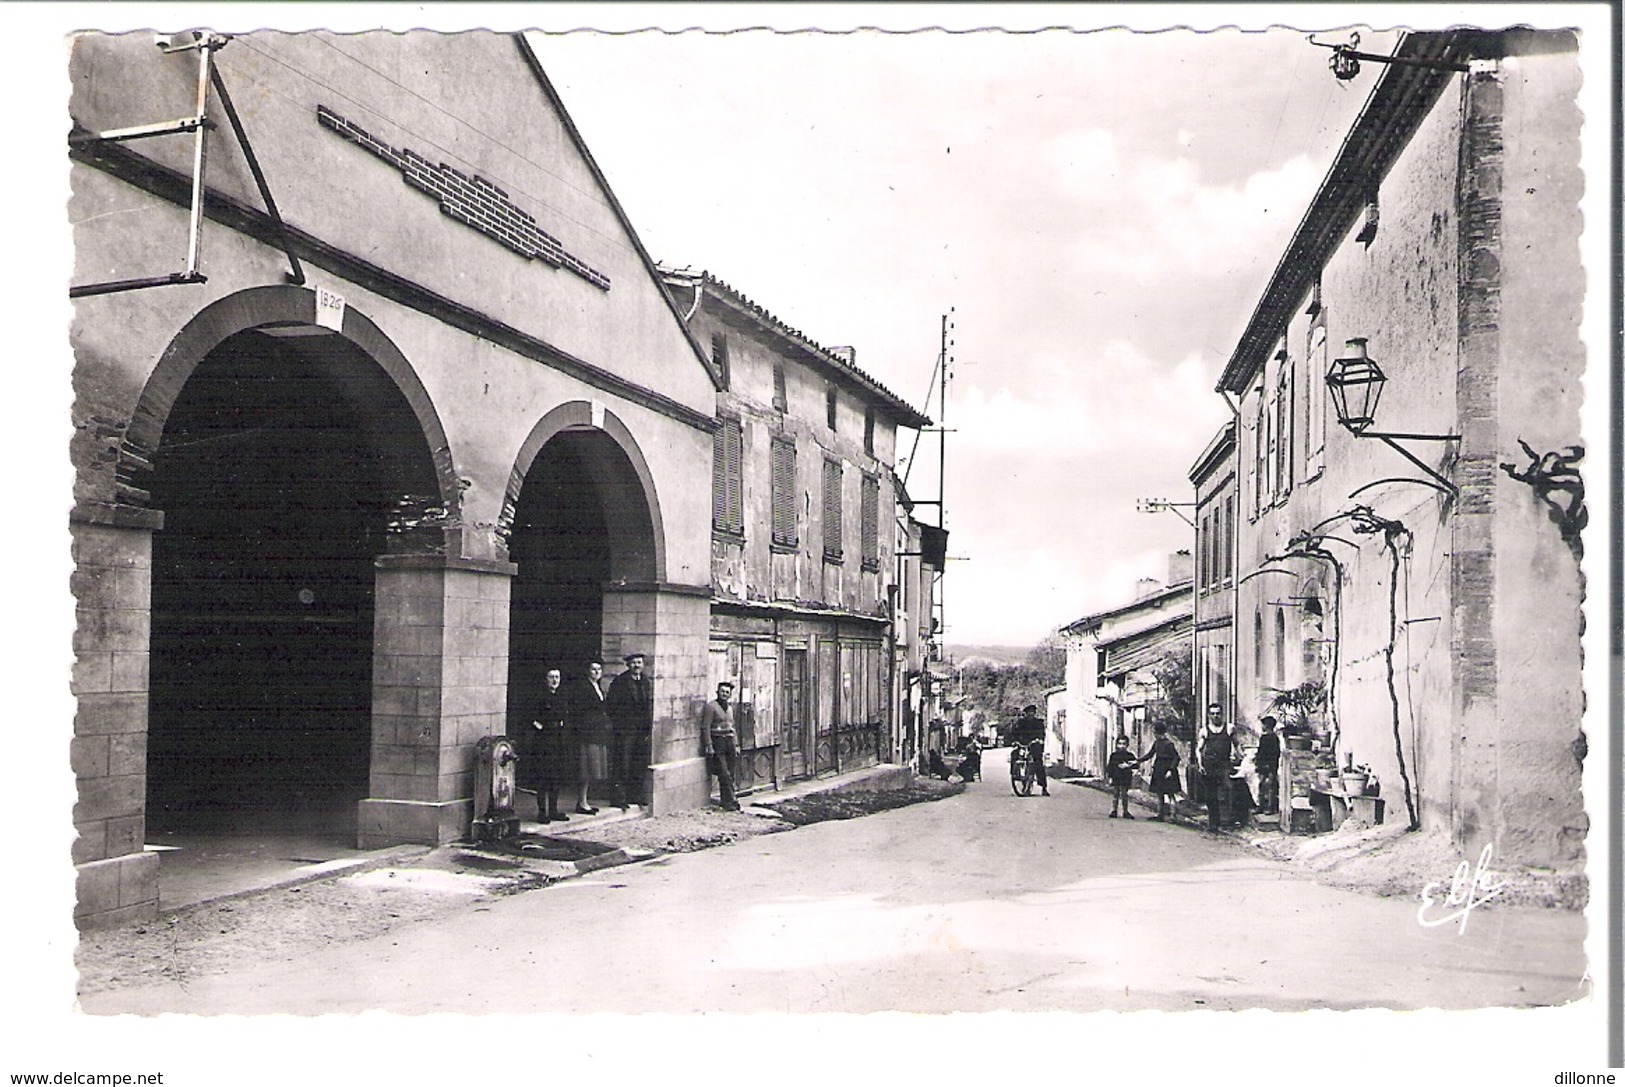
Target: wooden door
[
  {"x": 795, "y": 732},
  {"x": 827, "y": 708}
]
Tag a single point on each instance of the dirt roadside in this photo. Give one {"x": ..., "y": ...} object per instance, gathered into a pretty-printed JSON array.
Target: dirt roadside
[{"x": 284, "y": 923}]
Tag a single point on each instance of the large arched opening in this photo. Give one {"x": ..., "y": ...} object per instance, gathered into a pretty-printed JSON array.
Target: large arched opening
[{"x": 289, "y": 460}]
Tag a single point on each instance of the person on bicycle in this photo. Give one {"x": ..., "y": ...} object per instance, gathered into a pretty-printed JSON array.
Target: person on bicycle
[{"x": 1028, "y": 732}]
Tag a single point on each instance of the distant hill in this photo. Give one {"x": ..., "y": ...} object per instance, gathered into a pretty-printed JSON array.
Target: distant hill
[{"x": 998, "y": 654}]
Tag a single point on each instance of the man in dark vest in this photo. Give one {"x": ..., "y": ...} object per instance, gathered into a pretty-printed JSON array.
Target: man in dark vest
[
  {"x": 630, "y": 704},
  {"x": 1217, "y": 759}
]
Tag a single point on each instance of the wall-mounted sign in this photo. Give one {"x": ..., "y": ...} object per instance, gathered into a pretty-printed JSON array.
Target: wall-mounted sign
[
  {"x": 471, "y": 200},
  {"x": 329, "y": 309}
]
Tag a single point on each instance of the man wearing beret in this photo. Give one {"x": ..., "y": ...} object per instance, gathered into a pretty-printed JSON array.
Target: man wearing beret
[{"x": 630, "y": 704}]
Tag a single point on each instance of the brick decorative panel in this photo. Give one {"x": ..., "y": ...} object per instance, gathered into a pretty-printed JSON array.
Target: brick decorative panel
[{"x": 470, "y": 199}]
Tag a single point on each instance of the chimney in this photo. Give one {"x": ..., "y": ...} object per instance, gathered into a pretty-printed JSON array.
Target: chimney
[
  {"x": 848, "y": 355},
  {"x": 1179, "y": 567},
  {"x": 1146, "y": 586}
]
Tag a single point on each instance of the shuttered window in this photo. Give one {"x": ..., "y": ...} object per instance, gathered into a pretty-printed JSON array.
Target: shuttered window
[
  {"x": 780, "y": 400},
  {"x": 830, "y": 399},
  {"x": 719, "y": 357},
  {"x": 1285, "y": 420},
  {"x": 784, "y": 493},
  {"x": 832, "y": 510},
  {"x": 1315, "y": 443},
  {"x": 1271, "y": 480},
  {"x": 871, "y": 523},
  {"x": 728, "y": 479},
  {"x": 1256, "y": 482},
  {"x": 1229, "y": 534},
  {"x": 1204, "y": 567},
  {"x": 869, "y": 431}
]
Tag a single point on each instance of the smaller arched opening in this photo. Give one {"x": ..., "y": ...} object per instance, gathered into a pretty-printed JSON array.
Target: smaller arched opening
[{"x": 583, "y": 523}]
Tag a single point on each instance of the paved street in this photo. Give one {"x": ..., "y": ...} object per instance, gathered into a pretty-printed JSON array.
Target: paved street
[{"x": 980, "y": 902}]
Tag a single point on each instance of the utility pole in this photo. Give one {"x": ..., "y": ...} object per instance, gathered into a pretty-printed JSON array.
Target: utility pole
[
  {"x": 935, "y": 604},
  {"x": 944, "y": 343}
]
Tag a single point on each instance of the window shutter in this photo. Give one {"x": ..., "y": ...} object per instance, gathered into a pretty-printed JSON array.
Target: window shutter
[
  {"x": 1261, "y": 446},
  {"x": 719, "y": 478},
  {"x": 736, "y": 477},
  {"x": 1294, "y": 426},
  {"x": 780, "y": 400},
  {"x": 871, "y": 523},
  {"x": 832, "y": 509},
  {"x": 1284, "y": 418},
  {"x": 728, "y": 478},
  {"x": 1315, "y": 456},
  {"x": 1252, "y": 470},
  {"x": 1205, "y": 535},
  {"x": 784, "y": 493},
  {"x": 869, "y": 431},
  {"x": 1271, "y": 481}
]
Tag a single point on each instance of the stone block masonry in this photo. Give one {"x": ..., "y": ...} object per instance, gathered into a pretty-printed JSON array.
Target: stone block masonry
[
  {"x": 439, "y": 686},
  {"x": 112, "y": 589}
]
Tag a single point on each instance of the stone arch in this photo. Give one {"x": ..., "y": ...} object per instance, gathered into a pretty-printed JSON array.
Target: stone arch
[
  {"x": 632, "y": 505},
  {"x": 269, "y": 307}
]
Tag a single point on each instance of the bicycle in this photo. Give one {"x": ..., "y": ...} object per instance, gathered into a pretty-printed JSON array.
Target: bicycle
[{"x": 1023, "y": 770}]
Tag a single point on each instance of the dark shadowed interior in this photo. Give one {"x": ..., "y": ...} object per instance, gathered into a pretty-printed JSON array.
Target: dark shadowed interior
[{"x": 284, "y": 463}]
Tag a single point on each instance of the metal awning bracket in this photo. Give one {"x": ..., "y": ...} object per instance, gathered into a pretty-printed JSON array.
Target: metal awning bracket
[{"x": 206, "y": 44}]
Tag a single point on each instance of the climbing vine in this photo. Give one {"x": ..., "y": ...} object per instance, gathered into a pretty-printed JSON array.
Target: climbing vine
[{"x": 1311, "y": 544}]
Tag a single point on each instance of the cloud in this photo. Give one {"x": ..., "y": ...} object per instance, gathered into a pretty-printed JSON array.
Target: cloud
[
  {"x": 1101, "y": 210},
  {"x": 1160, "y": 221},
  {"x": 1092, "y": 404}
]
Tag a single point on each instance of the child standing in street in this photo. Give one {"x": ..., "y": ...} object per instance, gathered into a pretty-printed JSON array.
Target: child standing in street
[
  {"x": 1164, "y": 756},
  {"x": 1119, "y": 767}
]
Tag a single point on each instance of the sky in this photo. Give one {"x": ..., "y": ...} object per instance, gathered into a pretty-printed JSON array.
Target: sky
[{"x": 1097, "y": 213}]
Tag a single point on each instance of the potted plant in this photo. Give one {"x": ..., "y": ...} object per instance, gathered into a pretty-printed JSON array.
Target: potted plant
[{"x": 1299, "y": 710}]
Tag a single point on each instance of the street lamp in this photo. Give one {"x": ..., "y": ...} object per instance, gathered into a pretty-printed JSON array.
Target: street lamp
[
  {"x": 1356, "y": 383},
  {"x": 1345, "y": 59}
]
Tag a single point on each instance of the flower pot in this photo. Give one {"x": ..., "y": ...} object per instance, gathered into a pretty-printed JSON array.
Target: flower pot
[
  {"x": 1354, "y": 784},
  {"x": 1324, "y": 780}
]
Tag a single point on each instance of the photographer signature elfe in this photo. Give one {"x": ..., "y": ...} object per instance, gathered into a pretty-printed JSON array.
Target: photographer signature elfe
[{"x": 1469, "y": 887}]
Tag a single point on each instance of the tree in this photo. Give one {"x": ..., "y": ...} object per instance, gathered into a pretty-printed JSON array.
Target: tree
[
  {"x": 1001, "y": 690},
  {"x": 1175, "y": 704}
]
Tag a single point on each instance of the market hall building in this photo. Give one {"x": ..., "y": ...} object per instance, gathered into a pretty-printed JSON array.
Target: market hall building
[{"x": 402, "y": 415}]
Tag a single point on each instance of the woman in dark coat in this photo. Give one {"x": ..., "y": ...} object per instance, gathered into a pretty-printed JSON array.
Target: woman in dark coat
[{"x": 554, "y": 750}]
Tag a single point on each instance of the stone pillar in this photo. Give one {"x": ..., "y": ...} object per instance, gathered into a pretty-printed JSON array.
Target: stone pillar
[
  {"x": 112, "y": 587},
  {"x": 672, "y": 624},
  {"x": 1519, "y": 608},
  {"x": 440, "y": 682}
]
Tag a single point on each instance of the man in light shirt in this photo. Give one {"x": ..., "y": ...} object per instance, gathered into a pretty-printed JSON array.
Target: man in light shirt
[{"x": 722, "y": 742}]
